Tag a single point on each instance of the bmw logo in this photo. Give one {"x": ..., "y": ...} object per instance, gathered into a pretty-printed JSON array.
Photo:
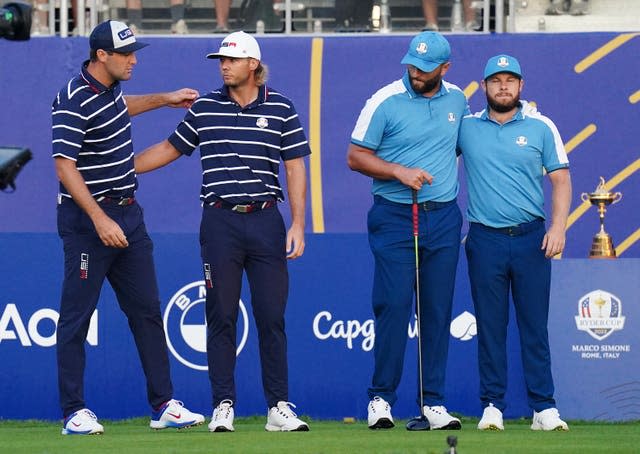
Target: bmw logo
[{"x": 186, "y": 329}]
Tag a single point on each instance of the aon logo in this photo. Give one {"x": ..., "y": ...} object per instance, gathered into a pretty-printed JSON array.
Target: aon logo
[{"x": 12, "y": 327}]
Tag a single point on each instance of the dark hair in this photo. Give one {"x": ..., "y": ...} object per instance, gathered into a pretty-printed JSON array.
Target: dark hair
[{"x": 93, "y": 54}]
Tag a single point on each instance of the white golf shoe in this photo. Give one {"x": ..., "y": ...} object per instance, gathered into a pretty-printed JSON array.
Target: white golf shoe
[
  {"x": 548, "y": 419},
  {"x": 379, "y": 414},
  {"x": 174, "y": 414},
  {"x": 282, "y": 419},
  {"x": 222, "y": 418},
  {"x": 82, "y": 422},
  {"x": 439, "y": 419},
  {"x": 491, "y": 419}
]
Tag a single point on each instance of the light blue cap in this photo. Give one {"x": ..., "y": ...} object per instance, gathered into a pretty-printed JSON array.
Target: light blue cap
[
  {"x": 427, "y": 51},
  {"x": 502, "y": 64}
]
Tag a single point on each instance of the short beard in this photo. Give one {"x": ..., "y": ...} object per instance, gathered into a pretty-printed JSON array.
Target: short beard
[
  {"x": 425, "y": 86},
  {"x": 504, "y": 108}
]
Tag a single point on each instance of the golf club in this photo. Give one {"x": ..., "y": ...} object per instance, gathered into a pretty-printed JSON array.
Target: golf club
[{"x": 419, "y": 422}]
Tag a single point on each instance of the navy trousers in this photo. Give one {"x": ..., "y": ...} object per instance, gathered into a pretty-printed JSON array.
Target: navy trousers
[
  {"x": 232, "y": 243},
  {"x": 391, "y": 239},
  {"x": 511, "y": 259},
  {"x": 131, "y": 273}
]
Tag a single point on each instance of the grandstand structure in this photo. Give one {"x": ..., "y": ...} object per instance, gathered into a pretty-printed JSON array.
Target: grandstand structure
[{"x": 315, "y": 16}]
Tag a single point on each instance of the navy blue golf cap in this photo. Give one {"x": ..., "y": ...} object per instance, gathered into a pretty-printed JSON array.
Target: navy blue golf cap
[{"x": 114, "y": 36}]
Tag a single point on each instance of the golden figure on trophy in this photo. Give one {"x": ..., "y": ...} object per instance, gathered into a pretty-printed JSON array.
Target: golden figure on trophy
[{"x": 602, "y": 245}]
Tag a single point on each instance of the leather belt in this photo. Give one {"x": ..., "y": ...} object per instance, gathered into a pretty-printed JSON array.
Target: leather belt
[
  {"x": 122, "y": 201},
  {"x": 514, "y": 230},
  {"x": 243, "y": 208}
]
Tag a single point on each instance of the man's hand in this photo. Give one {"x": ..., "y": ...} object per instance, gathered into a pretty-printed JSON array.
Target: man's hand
[
  {"x": 295, "y": 242},
  {"x": 553, "y": 242},
  {"x": 413, "y": 177},
  {"x": 182, "y": 98},
  {"x": 110, "y": 232}
]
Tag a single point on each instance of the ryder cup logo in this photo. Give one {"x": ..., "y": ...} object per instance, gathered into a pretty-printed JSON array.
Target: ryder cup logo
[
  {"x": 600, "y": 314},
  {"x": 186, "y": 329},
  {"x": 262, "y": 122},
  {"x": 503, "y": 62}
]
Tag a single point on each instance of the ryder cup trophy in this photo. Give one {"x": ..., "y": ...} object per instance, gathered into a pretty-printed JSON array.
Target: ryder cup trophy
[{"x": 602, "y": 245}]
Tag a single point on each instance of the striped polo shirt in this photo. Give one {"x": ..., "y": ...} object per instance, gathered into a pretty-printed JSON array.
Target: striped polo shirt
[
  {"x": 505, "y": 163},
  {"x": 241, "y": 147},
  {"x": 91, "y": 126},
  {"x": 416, "y": 131}
]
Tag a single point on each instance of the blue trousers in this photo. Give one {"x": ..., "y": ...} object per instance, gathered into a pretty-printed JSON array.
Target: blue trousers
[
  {"x": 131, "y": 273},
  {"x": 391, "y": 239},
  {"x": 511, "y": 259},
  {"x": 232, "y": 243}
]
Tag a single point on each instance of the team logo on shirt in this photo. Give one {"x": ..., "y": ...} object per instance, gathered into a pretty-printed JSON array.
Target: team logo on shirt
[
  {"x": 185, "y": 326},
  {"x": 262, "y": 122},
  {"x": 451, "y": 117},
  {"x": 422, "y": 48},
  {"x": 521, "y": 141},
  {"x": 599, "y": 314}
]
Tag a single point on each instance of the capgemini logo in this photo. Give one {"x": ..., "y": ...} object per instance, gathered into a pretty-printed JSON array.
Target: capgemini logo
[
  {"x": 463, "y": 327},
  {"x": 185, "y": 326}
]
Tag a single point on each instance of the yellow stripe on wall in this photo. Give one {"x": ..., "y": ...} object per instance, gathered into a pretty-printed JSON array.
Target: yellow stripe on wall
[
  {"x": 471, "y": 89},
  {"x": 315, "y": 89},
  {"x": 635, "y": 236},
  {"x": 603, "y": 51},
  {"x": 635, "y": 97},
  {"x": 579, "y": 138}
]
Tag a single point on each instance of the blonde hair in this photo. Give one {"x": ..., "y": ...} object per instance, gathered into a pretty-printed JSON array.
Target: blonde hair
[{"x": 261, "y": 74}]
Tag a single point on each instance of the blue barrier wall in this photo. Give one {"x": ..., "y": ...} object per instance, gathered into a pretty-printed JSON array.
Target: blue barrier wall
[{"x": 596, "y": 108}]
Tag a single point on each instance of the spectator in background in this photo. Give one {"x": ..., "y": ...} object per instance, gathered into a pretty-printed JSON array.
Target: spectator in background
[
  {"x": 40, "y": 18},
  {"x": 353, "y": 15},
  {"x": 134, "y": 17},
  {"x": 222, "y": 8},
  {"x": 573, "y": 7},
  {"x": 39, "y": 21},
  {"x": 430, "y": 10}
]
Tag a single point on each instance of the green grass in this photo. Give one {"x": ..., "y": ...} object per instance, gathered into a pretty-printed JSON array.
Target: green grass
[{"x": 134, "y": 436}]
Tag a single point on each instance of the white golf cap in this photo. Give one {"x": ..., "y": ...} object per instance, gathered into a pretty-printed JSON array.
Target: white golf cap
[{"x": 238, "y": 45}]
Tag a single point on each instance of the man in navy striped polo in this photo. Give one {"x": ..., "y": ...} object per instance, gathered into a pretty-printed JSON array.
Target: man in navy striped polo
[
  {"x": 102, "y": 227},
  {"x": 244, "y": 129}
]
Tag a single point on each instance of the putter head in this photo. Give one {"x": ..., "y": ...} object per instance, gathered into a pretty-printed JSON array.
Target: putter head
[{"x": 418, "y": 423}]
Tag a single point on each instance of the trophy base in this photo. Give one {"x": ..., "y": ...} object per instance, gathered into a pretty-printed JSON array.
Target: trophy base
[{"x": 602, "y": 247}]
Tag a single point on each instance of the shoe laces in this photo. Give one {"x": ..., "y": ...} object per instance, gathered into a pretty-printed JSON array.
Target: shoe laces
[
  {"x": 438, "y": 409},
  {"x": 223, "y": 409},
  {"x": 553, "y": 412},
  {"x": 90, "y": 414},
  {"x": 284, "y": 408}
]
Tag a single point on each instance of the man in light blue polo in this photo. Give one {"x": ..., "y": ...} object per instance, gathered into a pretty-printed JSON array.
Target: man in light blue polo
[
  {"x": 506, "y": 150},
  {"x": 405, "y": 137}
]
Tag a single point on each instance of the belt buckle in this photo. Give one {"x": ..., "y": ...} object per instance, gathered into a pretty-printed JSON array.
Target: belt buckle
[
  {"x": 125, "y": 201},
  {"x": 242, "y": 208}
]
